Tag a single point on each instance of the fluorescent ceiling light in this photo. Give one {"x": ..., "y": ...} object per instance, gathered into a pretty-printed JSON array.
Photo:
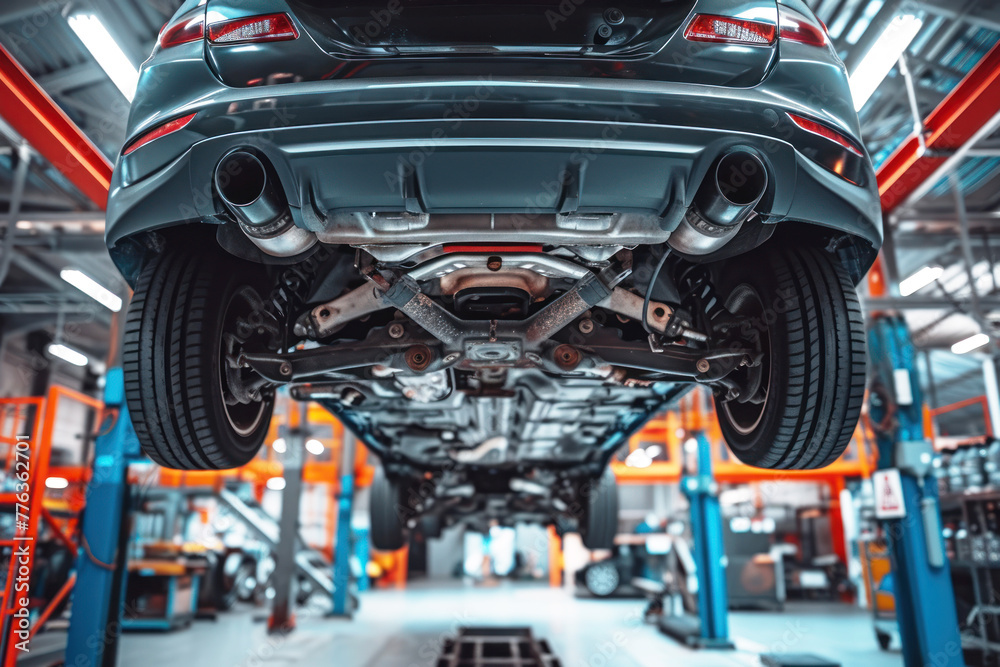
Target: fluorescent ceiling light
[
  {"x": 68, "y": 354},
  {"x": 920, "y": 280},
  {"x": 971, "y": 343},
  {"x": 883, "y": 55},
  {"x": 859, "y": 28},
  {"x": 56, "y": 483},
  {"x": 839, "y": 25},
  {"x": 276, "y": 483},
  {"x": 106, "y": 52},
  {"x": 315, "y": 447},
  {"x": 92, "y": 288},
  {"x": 280, "y": 446}
]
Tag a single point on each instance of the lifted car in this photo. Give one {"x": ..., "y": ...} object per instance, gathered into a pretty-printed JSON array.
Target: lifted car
[{"x": 494, "y": 239}]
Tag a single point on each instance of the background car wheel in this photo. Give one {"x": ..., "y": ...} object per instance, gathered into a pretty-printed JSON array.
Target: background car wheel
[
  {"x": 387, "y": 504},
  {"x": 235, "y": 571},
  {"x": 805, "y": 397},
  {"x": 599, "y": 524},
  {"x": 602, "y": 579},
  {"x": 190, "y": 409}
]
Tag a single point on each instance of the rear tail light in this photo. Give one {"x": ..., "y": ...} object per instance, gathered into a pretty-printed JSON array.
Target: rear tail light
[
  {"x": 268, "y": 28},
  {"x": 827, "y": 133},
  {"x": 186, "y": 30},
  {"x": 710, "y": 28},
  {"x": 796, "y": 27},
  {"x": 163, "y": 130}
]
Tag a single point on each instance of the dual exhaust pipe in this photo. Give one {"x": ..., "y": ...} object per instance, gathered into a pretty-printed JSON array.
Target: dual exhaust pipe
[
  {"x": 726, "y": 199},
  {"x": 250, "y": 190}
]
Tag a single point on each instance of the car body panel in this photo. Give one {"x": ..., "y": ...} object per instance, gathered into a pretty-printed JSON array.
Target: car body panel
[
  {"x": 371, "y": 131},
  {"x": 339, "y": 144}
]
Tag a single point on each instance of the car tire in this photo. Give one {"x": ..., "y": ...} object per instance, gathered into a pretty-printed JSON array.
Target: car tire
[
  {"x": 386, "y": 507},
  {"x": 803, "y": 313},
  {"x": 173, "y": 361},
  {"x": 599, "y": 524}
]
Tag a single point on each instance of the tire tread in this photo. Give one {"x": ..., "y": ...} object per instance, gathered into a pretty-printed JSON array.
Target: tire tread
[
  {"x": 825, "y": 383},
  {"x": 167, "y": 363}
]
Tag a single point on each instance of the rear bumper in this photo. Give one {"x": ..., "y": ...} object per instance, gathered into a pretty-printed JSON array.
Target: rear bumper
[{"x": 456, "y": 148}]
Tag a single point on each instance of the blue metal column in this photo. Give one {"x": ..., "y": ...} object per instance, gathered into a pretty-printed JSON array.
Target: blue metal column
[
  {"x": 925, "y": 600},
  {"x": 98, "y": 595},
  {"x": 343, "y": 548},
  {"x": 702, "y": 492}
]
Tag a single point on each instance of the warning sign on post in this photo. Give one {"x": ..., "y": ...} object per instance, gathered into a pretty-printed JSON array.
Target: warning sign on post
[{"x": 888, "y": 494}]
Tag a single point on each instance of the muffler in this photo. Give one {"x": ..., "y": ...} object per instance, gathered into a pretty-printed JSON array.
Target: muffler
[
  {"x": 250, "y": 190},
  {"x": 725, "y": 200}
]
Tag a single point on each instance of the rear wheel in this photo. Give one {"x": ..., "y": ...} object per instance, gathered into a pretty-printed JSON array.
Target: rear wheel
[
  {"x": 387, "y": 508},
  {"x": 191, "y": 406},
  {"x": 798, "y": 408},
  {"x": 599, "y": 523}
]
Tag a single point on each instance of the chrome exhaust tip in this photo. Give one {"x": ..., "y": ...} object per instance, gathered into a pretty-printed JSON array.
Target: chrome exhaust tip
[
  {"x": 735, "y": 185},
  {"x": 250, "y": 191}
]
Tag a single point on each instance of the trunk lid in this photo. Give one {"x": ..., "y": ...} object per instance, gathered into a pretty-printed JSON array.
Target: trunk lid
[
  {"x": 636, "y": 39},
  {"x": 424, "y": 27}
]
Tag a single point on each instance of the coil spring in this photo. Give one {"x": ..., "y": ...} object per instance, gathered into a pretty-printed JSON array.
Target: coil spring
[
  {"x": 697, "y": 293},
  {"x": 292, "y": 287}
]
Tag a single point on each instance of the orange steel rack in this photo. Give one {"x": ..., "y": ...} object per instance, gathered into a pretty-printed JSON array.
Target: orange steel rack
[
  {"x": 670, "y": 431},
  {"x": 28, "y": 425},
  {"x": 266, "y": 466}
]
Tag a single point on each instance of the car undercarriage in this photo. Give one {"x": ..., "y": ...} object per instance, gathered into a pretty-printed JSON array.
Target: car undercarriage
[{"x": 497, "y": 359}]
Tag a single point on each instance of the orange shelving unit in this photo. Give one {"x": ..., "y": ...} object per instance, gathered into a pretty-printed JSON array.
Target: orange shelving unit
[
  {"x": 315, "y": 471},
  {"x": 27, "y": 431},
  {"x": 670, "y": 431}
]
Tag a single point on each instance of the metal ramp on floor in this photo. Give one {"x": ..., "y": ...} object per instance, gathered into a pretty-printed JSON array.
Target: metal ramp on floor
[
  {"x": 307, "y": 561},
  {"x": 496, "y": 647}
]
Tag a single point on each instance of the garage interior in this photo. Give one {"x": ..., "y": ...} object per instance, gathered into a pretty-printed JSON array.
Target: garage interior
[{"x": 715, "y": 563}]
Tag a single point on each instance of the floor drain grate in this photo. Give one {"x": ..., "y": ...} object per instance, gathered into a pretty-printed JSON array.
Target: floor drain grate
[{"x": 496, "y": 647}]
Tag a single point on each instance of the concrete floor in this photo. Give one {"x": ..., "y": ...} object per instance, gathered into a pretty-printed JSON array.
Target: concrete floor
[{"x": 405, "y": 629}]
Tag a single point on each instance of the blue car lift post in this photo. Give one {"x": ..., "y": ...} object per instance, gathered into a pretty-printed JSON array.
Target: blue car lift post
[
  {"x": 925, "y": 600},
  {"x": 343, "y": 606},
  {"x": 101, "y": 565},
  {"x": 711, "y": 628}
]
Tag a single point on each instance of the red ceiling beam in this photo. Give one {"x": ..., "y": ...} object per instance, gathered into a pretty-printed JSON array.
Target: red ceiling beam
[
  {"x": 949, "y": 127},
  {"x": 40, "y": 121}
]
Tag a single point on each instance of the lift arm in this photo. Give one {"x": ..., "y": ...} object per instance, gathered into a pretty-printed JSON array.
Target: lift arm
[
  {"x": 40, "y": 121},
  {"x": 956, "y": 122}
]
